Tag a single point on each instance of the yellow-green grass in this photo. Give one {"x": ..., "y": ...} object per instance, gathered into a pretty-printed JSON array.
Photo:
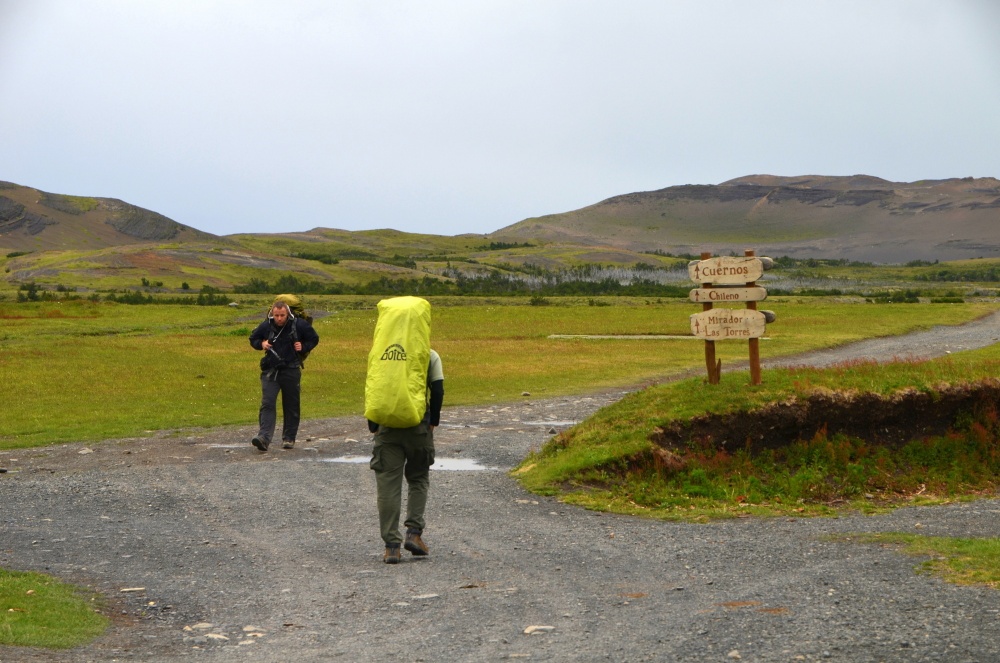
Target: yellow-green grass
[
  {"x": 120, "y": 268},
  {"x": 900, "y": 275},
  {"x": 202, "y": 263},
  {"x": 379, "y": 242},
  {"x": 105, "y": 270},
  {"x": 38, "y": 611},
  {"x": 962, "y": 561},
  {"x": 589, "y": 464},
  {"x": 574, "y": 255},
  {"x": 83, "y": 371}
]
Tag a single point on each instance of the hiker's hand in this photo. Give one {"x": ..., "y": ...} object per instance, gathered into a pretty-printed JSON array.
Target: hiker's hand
[
  {"x": 298, "y": 346},
  {"x": 265, "y": 344}
]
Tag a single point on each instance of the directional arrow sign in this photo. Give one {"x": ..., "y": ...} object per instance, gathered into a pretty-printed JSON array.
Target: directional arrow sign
[
  {"x": 719, "y": 324},
  {"x": 726, "y": 270},
  {"x": 727, "y": 294}
]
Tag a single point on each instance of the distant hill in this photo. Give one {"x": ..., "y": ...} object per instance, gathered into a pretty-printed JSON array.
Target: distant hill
[
  {"x": 102, "y": 244},
  {"x": 858, "y": 217},
  {"x": 33, "y": 220}
]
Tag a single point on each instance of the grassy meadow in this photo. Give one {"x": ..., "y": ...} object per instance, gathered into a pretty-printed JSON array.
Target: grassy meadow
[{"x": 87, "y": 371}]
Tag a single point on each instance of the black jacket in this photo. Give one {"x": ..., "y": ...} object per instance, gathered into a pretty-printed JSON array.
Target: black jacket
[{"x": 283, "y": 341}]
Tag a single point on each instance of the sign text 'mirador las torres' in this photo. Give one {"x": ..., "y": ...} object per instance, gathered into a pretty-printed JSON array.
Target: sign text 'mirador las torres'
[
  {"x": 726, "y": 270},
  {"x": 720, "y": 324}
]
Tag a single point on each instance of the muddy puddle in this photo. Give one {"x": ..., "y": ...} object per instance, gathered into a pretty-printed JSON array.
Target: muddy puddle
[{"x": 445, "y": 464}]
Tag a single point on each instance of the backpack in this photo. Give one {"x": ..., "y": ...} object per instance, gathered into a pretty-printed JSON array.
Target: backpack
[{"x": 396, "y": 382}]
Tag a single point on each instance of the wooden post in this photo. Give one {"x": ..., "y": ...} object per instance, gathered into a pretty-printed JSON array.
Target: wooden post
[
  {"x": 714, "y": 367},
  {"x": 754, "y": 342}
]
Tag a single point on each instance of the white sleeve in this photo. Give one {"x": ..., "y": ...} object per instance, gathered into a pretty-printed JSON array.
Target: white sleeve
[{"x": 434, "y": 371}]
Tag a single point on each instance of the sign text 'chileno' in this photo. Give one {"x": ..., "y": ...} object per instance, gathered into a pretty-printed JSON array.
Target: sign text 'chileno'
[{"x": 728, "y": 294}]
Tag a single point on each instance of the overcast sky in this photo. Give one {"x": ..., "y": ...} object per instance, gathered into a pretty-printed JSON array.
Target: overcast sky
[{"x": 463, "y": 116}]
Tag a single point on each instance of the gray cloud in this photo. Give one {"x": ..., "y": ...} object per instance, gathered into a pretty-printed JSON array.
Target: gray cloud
[{"x": 451, "y": 117}]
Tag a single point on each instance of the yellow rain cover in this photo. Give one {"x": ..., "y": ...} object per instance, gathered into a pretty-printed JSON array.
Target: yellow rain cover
[{"x": 396, "y": 385}]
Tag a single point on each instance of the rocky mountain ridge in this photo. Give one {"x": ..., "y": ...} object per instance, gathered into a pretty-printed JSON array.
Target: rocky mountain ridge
[{"x": 858, "y": 217}]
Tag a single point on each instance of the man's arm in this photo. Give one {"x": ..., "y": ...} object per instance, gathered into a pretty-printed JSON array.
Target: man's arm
[
  {"x": 437, "y": 399},
  {"x": 307, "y": 335},
  {"x": 259, "y": 335}
]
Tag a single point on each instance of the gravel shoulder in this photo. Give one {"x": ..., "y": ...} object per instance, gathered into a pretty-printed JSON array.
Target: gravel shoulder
[{"x": 234, "y": 555}]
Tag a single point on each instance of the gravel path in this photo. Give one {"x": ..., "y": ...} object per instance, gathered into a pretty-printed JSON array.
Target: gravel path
[{"x": 233, "y": 555}]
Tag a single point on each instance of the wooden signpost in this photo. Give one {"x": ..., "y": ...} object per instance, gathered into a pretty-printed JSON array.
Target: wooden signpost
[{"x": 729, "y": 279}]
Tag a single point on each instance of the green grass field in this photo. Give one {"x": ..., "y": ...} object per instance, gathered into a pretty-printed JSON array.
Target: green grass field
[
  {"x": 38, "y": 611},
  {"x": 82, "y": 371}
]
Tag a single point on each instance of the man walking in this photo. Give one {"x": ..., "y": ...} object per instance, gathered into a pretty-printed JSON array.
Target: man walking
[
  {"x": 404, "y": 391},
  {"x": 285, "y": 339}
]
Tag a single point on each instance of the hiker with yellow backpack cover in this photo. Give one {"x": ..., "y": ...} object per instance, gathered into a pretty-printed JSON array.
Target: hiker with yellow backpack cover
[{"x": 404, "y": 390}]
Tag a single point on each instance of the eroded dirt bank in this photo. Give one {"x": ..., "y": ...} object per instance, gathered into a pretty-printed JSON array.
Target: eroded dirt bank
[{"x": 890, "y": 420}]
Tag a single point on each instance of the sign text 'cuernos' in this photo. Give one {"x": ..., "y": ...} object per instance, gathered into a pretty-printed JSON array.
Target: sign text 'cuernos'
[{"x": 726, "y": 270}]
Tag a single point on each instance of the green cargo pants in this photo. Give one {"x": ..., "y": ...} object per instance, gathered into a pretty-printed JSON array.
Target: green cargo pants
[{"x": 400, "y": 452}]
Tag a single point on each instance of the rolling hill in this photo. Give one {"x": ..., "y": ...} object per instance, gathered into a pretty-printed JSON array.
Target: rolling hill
[
  {"x": 857, "y": 218},
  {"x": 101, "y": 244},
  {"x": 33, "y": 220}
]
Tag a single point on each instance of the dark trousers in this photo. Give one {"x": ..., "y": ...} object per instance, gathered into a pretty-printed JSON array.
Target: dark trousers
[
  {"x": 288, "y": 381},
  {"x": 398, "y": 453}
]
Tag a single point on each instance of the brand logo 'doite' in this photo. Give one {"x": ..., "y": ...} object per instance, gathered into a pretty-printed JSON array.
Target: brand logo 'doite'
[{"x": 394, "y": 352}]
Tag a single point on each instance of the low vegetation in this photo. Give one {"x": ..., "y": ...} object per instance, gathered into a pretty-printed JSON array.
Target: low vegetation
[
  {"x": 806, "y": 441},
  {"x": 39, "y": 611},
  {"x": 962, "y": 561}
]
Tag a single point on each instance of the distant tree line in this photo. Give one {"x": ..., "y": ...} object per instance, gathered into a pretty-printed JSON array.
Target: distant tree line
[
  {"x": 32, "y": 292},
  {"x": 966, "y": 274},
  {"x": 490, "y": 284},
  {"x": 787, "y": 262},
  {"x": 501, "y": 246},
  {"x": 208, "y": 296},
  {"x": 335, "y": 257}
]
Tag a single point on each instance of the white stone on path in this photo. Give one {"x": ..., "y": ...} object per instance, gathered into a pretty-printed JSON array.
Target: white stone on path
[{"x": 538, "y": 629}]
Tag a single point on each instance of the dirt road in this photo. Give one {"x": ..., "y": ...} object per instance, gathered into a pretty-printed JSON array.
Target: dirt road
[{"x": 233, "y": 555}]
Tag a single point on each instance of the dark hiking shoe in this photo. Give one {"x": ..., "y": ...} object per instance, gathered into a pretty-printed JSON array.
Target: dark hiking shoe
[
  {"x": 260, "y": 443},
  {"x": 287, "y": 444},
  {"x": 414, "y": 543},
  {"x": 392, "y": 554}
]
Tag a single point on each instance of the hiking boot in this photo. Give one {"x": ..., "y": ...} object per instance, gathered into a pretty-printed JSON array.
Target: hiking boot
[
  {"x": 287, "y": 444},
  {"x": 392, "y": 554},
  {"x": 260, "y": 443},
  {"x": 414, "y": 543}
]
